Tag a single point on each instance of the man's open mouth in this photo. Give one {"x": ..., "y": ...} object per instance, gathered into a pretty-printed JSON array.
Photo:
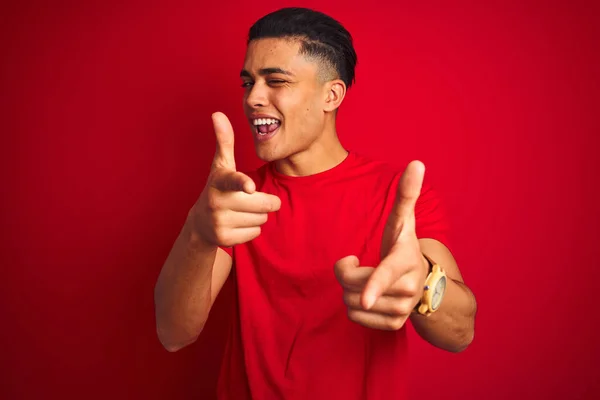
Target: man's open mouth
[{"x": 264, "y": 126}]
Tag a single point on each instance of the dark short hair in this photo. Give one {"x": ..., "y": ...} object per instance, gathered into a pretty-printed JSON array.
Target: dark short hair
[{"x": 321, "y": 37}]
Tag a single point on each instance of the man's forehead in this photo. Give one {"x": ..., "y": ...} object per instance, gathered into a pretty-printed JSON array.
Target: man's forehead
[{"x": 274, "y": 53}]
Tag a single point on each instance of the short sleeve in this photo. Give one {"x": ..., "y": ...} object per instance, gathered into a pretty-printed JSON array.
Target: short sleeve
[
  {"x": 431, "y": 219},
  {"x": 430, "y": 216}
]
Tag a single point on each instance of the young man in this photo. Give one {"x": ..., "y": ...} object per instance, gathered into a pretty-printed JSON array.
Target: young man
[{"x": 331, "y": 252}]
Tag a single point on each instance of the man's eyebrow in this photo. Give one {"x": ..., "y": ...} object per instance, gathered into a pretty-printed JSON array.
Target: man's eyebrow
[{"x": 266, "y": 71}]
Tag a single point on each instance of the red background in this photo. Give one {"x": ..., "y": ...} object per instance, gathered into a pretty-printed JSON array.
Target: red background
[{"x": 106, "y": 142}]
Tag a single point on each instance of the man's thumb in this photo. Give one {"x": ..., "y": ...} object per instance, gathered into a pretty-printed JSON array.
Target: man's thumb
[
  {"x": 343, "y": 265},
  {"x": 224, "y": 154}
]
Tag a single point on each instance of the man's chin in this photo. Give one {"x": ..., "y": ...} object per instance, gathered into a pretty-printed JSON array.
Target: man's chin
[{"x": 266, "y": 156}]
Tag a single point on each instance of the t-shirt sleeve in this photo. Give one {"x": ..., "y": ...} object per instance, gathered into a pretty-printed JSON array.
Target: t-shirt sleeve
[{"x": 431, "y": 219}]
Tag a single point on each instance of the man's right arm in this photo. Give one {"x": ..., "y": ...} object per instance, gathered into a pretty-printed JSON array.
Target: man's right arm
[
  {"x": 228, "y": 212},
  {"x": 188, "y": 284}
]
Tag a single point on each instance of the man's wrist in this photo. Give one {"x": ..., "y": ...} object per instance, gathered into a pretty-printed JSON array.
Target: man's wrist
[
  {"x": 194, "y": 239},
  {"x": 427, "y": 266}
]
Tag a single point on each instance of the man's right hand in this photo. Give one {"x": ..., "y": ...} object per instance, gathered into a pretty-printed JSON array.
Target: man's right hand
[{"x": 229, "y": 211}]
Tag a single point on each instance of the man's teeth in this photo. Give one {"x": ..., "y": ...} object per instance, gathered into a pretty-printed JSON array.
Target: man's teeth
[{"x": 265, "y": 121}]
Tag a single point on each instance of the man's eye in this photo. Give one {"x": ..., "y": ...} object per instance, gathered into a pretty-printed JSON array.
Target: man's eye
[
  {"x": 276, "y": 81},
  {"x": 246, "y": 84}
]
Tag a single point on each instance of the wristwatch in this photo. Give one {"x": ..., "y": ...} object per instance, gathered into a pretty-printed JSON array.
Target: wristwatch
[{"x": 435, "y": 287}]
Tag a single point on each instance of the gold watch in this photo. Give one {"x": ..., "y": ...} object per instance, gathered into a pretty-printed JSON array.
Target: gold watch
[{"x": 435, "y": 287}]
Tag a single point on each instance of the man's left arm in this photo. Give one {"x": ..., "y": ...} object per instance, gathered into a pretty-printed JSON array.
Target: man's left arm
[
  {"x": 384, "y": 297},
  {"x": 452, "y": 326}
]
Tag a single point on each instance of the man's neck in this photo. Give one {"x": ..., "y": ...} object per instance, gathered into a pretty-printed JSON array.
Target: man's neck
[{"x": 321, "y": 156}]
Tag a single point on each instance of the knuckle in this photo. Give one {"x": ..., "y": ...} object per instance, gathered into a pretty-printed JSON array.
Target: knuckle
[
  {"x": 411, "y": 287},
  {"x": 347, "y": 298},
  {"x": 343, "y": 275},
  {"x": 256, "y": 233},
  {"x": 337, "y": 270},
  {"x": 395, "y": 323},
  {"x": 401, "y": 309},
  {"x": 262, "y": 219},
  {"x": 397, "y": 308},
  {"x": 214, "y": 202},
  {"x": 352, "y": 315},
  {"x": 217, "y": 219},
  {"x": 384, "y": 274},
  {"x": 223, "y": 236}
]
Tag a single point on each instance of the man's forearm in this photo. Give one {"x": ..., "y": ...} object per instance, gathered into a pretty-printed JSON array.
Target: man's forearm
[
  {"x": 451, "y": 327},
  {"x": 183, "y": 291}
]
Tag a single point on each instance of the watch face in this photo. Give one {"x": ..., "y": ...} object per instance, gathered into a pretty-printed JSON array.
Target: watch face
[{"x": 438, "y": 294}]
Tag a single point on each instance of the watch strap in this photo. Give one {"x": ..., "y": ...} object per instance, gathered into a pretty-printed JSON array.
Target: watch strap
[{"x": 430, "y": 270}]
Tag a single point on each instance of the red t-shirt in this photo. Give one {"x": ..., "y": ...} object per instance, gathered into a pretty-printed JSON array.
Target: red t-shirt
[{"x": 290, "y": 337}]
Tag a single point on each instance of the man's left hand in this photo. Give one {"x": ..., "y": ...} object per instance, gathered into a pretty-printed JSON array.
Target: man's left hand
[{"x": 385, "y": 296}]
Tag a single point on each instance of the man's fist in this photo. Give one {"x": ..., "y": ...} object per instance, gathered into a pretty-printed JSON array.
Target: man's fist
[
  {"x": 229, "y": 211},
  {"x": 391, "y": 309},
  {"x": 384, "y": 297}
]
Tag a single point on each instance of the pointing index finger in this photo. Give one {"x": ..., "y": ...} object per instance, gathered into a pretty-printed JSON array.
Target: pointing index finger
[
  {"x": 350, "y": 275},
  {"x": 357, "y": 278},
  {"x": 257, "y": 202}
]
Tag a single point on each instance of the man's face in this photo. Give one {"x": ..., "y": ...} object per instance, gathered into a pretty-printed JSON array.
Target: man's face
[{"x": 283, "y": 98}]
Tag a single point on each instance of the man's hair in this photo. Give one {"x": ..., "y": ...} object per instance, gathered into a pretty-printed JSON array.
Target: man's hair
[{"x": 321, "y": 37}]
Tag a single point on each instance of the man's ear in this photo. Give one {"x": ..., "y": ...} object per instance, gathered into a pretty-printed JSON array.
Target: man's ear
[{"x": 335, "y": 91}]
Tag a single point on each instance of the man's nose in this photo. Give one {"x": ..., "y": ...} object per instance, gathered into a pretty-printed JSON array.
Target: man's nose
[{"x": 257, "y": 96}]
